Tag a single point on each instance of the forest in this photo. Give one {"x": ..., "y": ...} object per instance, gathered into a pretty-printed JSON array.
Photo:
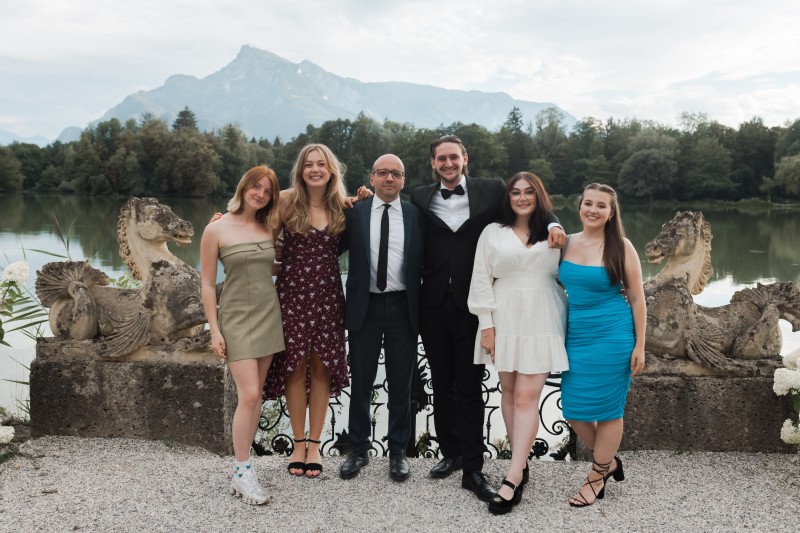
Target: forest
[{"x": 643, "y": 160}]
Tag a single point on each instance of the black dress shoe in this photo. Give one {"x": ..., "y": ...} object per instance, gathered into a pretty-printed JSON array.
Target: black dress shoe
[
  {"x": 445, "y": 467},
  {"x": 398, "y": 466},
  {"x": 353, "y": 464},
  {"x": 477, "y": 483}
]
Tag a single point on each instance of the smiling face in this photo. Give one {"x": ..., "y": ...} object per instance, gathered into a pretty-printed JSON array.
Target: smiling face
[
  {"x": 259, "y": 194},
  {"x": 522, "y": 196},
  {"x": 387, "y": 187},
  {"x": 315, "y": 170},
  {"x": 595, "y": 208},
  {"x": 448, "y": 162}
]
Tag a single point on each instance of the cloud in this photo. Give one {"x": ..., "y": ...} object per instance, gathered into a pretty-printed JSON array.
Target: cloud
[{"x": 66, "y": 62}]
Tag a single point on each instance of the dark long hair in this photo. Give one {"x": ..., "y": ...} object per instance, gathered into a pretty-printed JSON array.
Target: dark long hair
[
  {"x": 614, "y": 235},
  {"x": 538, "y": 221}
]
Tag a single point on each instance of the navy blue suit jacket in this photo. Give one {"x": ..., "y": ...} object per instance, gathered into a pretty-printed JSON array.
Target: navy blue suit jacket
[{"x": 356, "y": 239}]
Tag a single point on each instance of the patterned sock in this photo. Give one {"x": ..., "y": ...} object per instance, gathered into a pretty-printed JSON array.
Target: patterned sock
[{"x": 240, "y": 467}]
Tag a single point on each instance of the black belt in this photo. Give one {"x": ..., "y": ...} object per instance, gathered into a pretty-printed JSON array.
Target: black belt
[{"x": 386, "y": 293}]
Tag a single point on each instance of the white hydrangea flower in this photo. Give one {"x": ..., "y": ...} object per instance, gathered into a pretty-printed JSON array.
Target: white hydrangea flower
[
  {"x": 790, "y": 433},
  {"x": 786, "y": 381},
  {"x": 16, "y": 272},
  {"x": 7, "y": 433},
  {"x": 792, "y": 360}
]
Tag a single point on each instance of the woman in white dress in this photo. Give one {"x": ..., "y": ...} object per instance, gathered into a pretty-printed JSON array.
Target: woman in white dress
[{"x": 522, "y": 315}]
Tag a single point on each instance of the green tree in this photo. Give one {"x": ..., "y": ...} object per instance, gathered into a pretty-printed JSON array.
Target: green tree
[
  {"x": 651, "y": 167},
  {"x": 11, "y": 177},
  {"x": 518, "y": 144},
  {"x": 787, "y": 175},
  {"x": 709, "y": 172},
  {"x": 186, "y": 119},
  {"x": 788, "y": 142},
  {"x": 189, "y": 165},
  {"x": 753, "y": 156}
]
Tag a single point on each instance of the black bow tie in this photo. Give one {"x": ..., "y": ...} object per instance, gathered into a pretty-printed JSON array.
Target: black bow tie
[{"x": 447, "y": 193}]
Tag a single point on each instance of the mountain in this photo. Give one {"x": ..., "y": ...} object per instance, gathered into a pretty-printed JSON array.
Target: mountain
[
  {"x": 9, "y": 137},
  {"x": 267, "y": 95}
]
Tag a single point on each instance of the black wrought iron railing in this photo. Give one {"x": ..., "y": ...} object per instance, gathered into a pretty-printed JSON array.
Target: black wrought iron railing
[{"x": 555, "y": 438}]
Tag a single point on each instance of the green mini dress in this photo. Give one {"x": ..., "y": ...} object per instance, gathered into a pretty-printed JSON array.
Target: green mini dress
[{"x": 249, "y": 313}]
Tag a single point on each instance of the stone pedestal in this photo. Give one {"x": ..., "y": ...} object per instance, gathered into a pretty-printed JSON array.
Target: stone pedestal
[
  {"x": 705, "y": 414},
  {"x": 157, "y": 394}
]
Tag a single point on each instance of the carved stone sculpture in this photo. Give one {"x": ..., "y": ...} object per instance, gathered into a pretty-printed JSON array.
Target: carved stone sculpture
[
  {"x": 167, "y": 307},
  {"x": 733, "y": 339}
]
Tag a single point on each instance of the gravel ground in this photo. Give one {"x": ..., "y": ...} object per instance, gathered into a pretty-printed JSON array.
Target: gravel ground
[{"x": 76, "y": 484}]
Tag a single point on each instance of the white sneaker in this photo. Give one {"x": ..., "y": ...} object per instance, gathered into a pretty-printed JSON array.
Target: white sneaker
[{"x": 246, "y": 487}]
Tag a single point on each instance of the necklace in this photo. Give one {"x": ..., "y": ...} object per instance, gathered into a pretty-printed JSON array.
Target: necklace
[{"x": 312, "y": 205}]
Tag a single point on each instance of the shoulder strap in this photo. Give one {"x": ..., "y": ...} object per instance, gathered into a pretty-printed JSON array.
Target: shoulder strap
[{"x": 564, "y": 250}]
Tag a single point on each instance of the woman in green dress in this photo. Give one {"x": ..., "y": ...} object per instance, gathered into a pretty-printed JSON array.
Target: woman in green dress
[{"x": 246, "y": 330}]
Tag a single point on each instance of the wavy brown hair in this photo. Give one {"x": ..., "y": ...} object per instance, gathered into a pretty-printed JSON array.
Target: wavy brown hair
[
  {"x": 299, "y": 219},
  {"x": 267, "y": 215},
  {"x": 613, "y": 234},
  {"x": 537, "y": 223}
]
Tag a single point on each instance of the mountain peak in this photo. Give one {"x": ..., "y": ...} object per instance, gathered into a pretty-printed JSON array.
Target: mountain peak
[{"x": 268, "y": 96}]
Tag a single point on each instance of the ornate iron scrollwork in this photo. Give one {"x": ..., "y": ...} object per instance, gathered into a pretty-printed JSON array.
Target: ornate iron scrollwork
[{"x": 554, "y": 432}]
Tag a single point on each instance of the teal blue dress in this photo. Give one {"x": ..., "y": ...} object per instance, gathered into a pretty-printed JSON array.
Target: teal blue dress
[{"x": 600, "y": 339}]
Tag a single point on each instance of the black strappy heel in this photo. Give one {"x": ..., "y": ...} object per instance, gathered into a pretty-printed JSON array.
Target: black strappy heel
[
  {"x": 601, "y": 468},
  {"x": 297, "y": 465},
  {"x": 313, "y": 466}
]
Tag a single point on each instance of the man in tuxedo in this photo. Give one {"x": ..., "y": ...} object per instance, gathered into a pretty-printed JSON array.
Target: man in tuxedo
[
  {"x": 384, "y": 237},
  {"x": 456, "y": 208}
]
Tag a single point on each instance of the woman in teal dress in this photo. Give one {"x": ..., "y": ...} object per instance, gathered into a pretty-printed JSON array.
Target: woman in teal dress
[
  {"x": 247, "y": 330},
  {"x": 605, "y": 334}
]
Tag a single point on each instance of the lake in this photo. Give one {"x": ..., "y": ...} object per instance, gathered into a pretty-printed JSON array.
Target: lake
[{"x": 748, "y": 247}]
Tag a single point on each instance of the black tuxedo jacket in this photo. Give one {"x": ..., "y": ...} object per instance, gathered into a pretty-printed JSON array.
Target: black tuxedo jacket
[
  {"x": 356, "y": 239},
  {"x": 449, "y": 255}
]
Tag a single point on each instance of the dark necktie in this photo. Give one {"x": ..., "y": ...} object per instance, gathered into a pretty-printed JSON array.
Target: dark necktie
[
  {"x": 447, "y": 193},
  {"x": 383, "y": 250}
]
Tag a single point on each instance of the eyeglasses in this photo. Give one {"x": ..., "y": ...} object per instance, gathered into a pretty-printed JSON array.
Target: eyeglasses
[{"x": 382, "y": 173}]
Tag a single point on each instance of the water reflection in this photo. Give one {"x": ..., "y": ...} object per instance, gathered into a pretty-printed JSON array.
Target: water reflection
[{"x": 747, "y": 247}]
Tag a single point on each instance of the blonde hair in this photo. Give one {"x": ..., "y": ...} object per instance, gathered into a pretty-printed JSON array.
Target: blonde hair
[
  {"x": 299, "y": 219},
  {"x": 267, "y": 215}
]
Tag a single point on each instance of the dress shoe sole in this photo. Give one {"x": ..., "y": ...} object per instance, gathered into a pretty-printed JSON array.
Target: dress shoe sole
[
  {"x": 444, "y": 474},
  {"x": 473, "y": 491},
  {"x": 399, "y": 477},
  {"x": 353, "y": 474}
]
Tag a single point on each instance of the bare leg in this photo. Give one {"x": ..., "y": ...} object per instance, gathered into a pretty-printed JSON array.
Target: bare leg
[
  {"x": 606, "y": 437},
  {"x": 317, "y": 409},
  {"x": 296, "y": 402},
  {"x": 249, "y": 376},
  {"x": 527, "y": 390},
  {"x": 507, "y": 380}
]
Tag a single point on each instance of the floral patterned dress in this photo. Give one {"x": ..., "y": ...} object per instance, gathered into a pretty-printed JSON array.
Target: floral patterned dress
[{"x": 312, "y": 305}]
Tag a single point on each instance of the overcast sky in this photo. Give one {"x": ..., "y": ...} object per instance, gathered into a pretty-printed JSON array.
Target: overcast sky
[{"x": 65, "y": 62}]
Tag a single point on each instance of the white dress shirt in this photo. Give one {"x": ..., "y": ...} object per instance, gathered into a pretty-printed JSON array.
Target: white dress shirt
[
  {"x": 455, "y": 210},
  {"x": 394, "y": 270}
]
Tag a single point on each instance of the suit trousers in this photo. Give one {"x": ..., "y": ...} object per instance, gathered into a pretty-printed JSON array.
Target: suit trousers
[
  {"x": 387, "y": 322},
  {"x": 448, "y": 335}
]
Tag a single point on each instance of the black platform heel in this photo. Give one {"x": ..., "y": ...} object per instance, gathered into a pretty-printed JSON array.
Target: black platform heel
[
  {"x": 526, "y": 475},
  {"x": 499, "y": 505}
]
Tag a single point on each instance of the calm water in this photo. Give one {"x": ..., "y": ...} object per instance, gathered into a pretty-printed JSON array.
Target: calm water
[{"x": 747, "y": 247}]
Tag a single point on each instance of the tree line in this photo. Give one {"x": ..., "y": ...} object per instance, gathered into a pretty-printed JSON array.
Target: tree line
[{"x": 700, "y": 160}]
